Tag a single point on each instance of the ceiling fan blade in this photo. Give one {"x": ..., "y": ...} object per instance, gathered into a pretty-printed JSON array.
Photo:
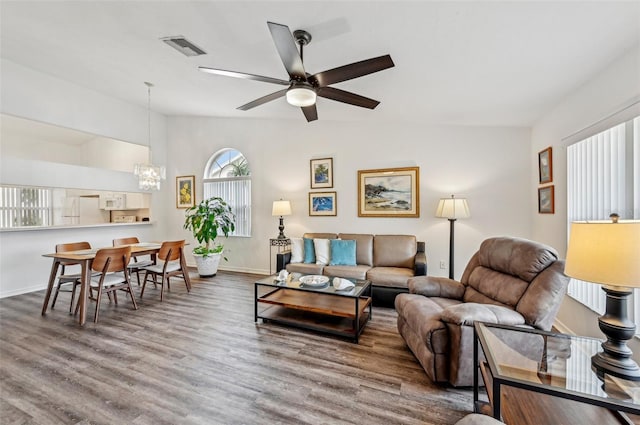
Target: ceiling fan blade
[
  {"x": 243, "y": 75},
  {"x": 263, "y": 100},
  {"x": 288, "y": 50},
  {"x": 310, "y": 112},
  {"x": 347, "y": 97},
  {"x": 351, "y": 71}
]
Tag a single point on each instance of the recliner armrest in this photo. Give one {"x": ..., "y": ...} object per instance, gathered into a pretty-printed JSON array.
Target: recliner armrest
[
  {"x": 431, "y": 286},
  {"x": 467, "y": 313}
]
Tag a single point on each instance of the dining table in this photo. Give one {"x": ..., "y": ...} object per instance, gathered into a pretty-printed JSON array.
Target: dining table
[{"x": 85, "y": 258}]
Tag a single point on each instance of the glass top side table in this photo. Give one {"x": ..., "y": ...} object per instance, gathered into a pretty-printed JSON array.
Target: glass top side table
[{"x": 548, "y": 363}]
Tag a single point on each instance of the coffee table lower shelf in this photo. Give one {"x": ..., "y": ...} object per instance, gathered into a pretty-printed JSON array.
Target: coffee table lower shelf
[{"x": 340, "y": 316}]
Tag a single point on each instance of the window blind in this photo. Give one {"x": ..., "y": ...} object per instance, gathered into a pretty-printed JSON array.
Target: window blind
[
  {"x": 602, "y": 178},
  {"x": 236, "y": 191},
  {"x": 24, "y": 207}
]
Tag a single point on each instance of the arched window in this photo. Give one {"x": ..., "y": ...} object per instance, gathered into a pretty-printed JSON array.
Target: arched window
[{"x": 228, "y": 176}]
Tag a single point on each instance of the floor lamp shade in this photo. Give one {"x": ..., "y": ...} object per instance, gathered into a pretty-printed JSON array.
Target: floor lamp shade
[
  {"x": 281, "y": 208},
  {"x": 609, "y": 254},
  {"x": 452, "y": 209}
]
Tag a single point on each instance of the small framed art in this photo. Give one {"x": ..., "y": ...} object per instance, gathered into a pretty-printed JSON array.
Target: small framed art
[
  {"x": 546, "y": 200},
  {"x": 185, "y": 191},
  {"x": 545, "y": 165},
  {"x": 321, "y": 173},
  {"x": 389, "y": 192},
  {"x": 322, "y": 203}
]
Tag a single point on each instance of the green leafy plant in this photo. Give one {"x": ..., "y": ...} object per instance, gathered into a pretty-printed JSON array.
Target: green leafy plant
[{"x": 209, "y": 219}]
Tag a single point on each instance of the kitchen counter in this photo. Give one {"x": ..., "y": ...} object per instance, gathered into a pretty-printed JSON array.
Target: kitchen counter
[{"x": 75, "y": 226}]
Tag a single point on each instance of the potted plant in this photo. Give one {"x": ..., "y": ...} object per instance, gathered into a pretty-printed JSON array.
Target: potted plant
[{"x": 207, "y": 220}]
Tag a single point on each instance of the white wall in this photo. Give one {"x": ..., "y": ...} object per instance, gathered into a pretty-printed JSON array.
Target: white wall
[
  {"x": 29, "y": 94},
  {"x": 488, "y": 166},
  {"x": 615, "y": 87}
]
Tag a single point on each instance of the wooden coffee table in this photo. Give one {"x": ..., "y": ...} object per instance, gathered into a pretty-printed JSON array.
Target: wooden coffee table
[{"x": 320, "y": 308}]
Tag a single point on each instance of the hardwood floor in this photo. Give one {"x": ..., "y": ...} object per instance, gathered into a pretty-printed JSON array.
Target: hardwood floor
[{"x": 199, "y": 358}]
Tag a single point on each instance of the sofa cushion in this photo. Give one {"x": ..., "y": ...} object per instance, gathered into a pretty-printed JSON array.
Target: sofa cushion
[
  {"x": 323, "y": 251},
  {"x": 364, "y": 247},
  {"x": 320, "y": 236},
  {"x": 391, "y": 277},
  {"x": 305, "y": 268},
  {"x": 466, "y": 314},
  {"x": 394, "y": 251},
  {"x": 297, "y": 250},
  {"x": 353, "y": 272},
  {"x": 309, "y": 251},
  {"x": 343, "y": 252},
  {"x": 517, "y": 257}
]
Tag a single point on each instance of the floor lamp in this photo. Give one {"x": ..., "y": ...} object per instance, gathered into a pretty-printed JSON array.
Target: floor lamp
[
  {"x": 452, "y": 209},
  {"x": 609, "y": 254}
]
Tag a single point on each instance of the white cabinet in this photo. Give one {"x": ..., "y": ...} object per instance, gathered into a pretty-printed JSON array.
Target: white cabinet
[
  {"x": 112, "y": 201},
  {"x": 134, "y": 201}
]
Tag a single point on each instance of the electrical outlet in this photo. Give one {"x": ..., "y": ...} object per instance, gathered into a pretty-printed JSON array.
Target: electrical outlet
[{"x": 443, "y": 265}]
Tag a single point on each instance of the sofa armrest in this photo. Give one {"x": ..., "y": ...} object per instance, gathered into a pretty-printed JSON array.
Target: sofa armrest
[
  {"x": 467, "y": 313},
  {"x": 420, "y": 264},
  {"x": 430, "y": 286},
  {"x": 282, "y": 259}
]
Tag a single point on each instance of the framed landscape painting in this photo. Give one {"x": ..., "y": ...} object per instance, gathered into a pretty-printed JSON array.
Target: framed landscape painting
[
  {"x": 185, "y": 191},
  {"x": 322, "y": 203},
  {"x": 390, "y": 192},
  {"x": 546, "y": 201},
  {"x": 545, "y": 166},
  {"x": 321, "y": 173}
]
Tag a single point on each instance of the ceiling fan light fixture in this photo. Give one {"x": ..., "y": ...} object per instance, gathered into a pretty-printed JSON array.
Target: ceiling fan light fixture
[{"x": 301, "y": 96}]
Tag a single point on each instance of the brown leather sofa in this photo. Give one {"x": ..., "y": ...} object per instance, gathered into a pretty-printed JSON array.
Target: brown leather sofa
[
  {"x": 388, "y": 261},
  {"x": 509, "y": 280}
]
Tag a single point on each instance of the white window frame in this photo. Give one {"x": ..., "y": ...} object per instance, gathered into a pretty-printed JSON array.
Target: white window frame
[
  {"x": 235, "y": 190},
  {"x": 627, "y": 202}
]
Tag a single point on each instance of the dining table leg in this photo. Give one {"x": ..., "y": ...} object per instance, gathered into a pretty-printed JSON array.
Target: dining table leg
[
  {"x": 52, "y": 279},
  {"x": 84, "y": 289}
]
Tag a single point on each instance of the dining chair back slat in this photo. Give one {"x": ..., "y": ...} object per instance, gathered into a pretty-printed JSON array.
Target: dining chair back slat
[
  {"x": 115, "y": 259},
  {"x": 171, "y": 253},
  {"x": 171, "y": 250},
  {"x": 64, "y": 278},
  {"x": 136, "y": 263}
]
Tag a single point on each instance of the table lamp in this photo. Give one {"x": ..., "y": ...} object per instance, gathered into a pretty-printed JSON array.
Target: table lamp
[
  {"x": 281, "y": 208},
  {"x": 452, "y": 209},
  {"x": 608, "y": 253}
]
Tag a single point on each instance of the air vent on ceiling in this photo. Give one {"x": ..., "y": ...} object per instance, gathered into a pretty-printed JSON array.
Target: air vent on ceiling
[{"x": 184, "y": 46}]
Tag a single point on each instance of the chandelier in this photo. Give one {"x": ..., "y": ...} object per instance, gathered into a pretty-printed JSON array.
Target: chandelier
[{"x": 149, "y": 175}]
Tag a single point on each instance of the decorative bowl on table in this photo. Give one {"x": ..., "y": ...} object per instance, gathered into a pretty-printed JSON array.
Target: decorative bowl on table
[{"x": 314, "y": 280}]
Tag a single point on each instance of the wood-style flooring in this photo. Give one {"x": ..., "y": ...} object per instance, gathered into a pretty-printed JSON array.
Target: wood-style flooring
[{"x": 199, "y": 358}]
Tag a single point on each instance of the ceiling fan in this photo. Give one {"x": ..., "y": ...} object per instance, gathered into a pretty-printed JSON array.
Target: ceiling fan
[{"x": 303, "y": 87}]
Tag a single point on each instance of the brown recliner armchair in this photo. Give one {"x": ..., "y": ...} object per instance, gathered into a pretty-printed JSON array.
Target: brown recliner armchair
[{"x": 509, "y": 281}]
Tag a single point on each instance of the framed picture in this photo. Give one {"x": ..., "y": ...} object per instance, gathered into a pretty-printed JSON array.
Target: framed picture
[
  {"x": 323, "y": 203},
  {"x": 546, "y": 200},
  {"x": 185, "y": 191},
  {"x": 390, "y": 192},
  {"x": 545, "y": 166},
  {"x": 321, "y": 173}
]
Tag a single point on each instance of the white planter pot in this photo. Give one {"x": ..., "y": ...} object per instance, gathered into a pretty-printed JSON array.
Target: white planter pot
[{"x": 207, "y": 265}]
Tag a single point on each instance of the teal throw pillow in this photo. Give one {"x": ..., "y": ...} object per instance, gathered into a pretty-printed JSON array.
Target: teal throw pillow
[
  {"x": 309, "y": 251},
  {"x": 343, "y": 252}
]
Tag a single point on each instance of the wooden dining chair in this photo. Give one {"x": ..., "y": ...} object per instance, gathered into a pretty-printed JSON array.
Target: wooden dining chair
[
  {"x": 68, "y": 282},
  {"x": 172, "y": 264},
  {"x": 113, "y": 275},
  {"x": 135, "y": 264}
]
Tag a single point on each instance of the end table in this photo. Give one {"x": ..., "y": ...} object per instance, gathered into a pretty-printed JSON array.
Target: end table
[{"x": 282, "y": 245}]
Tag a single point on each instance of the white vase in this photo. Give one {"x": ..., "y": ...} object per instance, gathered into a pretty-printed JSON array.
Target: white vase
[{"x": 207, "y": 264}]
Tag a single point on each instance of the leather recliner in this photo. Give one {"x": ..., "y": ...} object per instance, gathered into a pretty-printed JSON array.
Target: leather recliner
[{"x": 509, "y": 281}]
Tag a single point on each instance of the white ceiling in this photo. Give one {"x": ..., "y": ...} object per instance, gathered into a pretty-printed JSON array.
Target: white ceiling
[{"x": 470, "y": 63}]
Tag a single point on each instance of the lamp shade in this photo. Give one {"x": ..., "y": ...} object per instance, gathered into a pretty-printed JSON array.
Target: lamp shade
[
  {"x": 453, "y": 208},
  {"x": 605, "y": 252},
  {"x": 281, "y": 208}
]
